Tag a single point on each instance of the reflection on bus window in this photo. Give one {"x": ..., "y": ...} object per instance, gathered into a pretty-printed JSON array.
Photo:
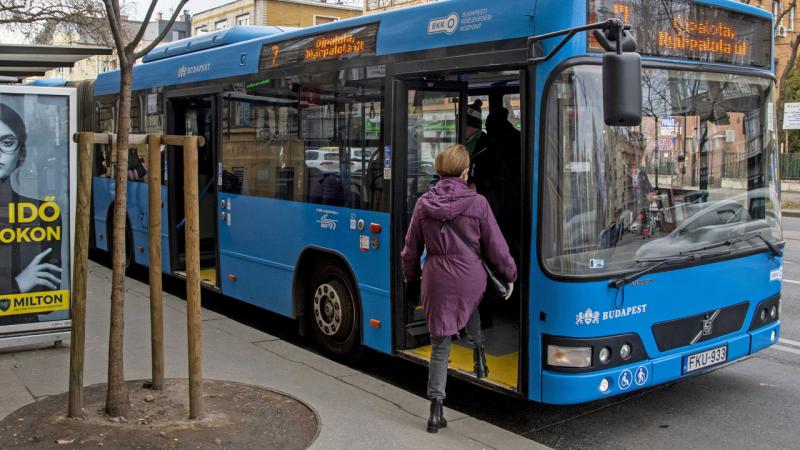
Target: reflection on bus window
[
  {"x": 700, "y": 169},
  {"x": 314, "y": 139}
]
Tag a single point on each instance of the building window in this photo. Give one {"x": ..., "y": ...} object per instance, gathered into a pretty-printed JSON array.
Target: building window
[
  {"x": 243, "y": 20},
  {"x": 776, "y": 10},
  {"x": 319, "y": 20},
  {"x": 202, "y": 29},
  {"x": 221, "y": 24}
]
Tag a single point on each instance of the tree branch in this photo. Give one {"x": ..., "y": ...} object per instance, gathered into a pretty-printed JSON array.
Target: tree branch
[
  {"x": 119, "y": 44},
  {"x": 783, "y": 14},
  {"x": 160, "y": 37},
  {"x": 140, "y": 34}
]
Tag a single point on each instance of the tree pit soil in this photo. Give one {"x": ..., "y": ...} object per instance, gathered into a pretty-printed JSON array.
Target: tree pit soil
[{"x": 238, "y": 416}]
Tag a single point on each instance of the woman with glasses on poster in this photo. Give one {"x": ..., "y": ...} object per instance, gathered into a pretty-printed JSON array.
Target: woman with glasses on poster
[{"x": 25, "y": 265}]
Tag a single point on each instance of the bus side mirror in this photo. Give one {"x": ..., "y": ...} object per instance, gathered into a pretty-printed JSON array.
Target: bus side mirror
[{"x": 622, "y": 89}]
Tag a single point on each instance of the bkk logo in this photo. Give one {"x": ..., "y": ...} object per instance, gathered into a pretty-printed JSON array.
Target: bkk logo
[{"x": 447, "y": 25}]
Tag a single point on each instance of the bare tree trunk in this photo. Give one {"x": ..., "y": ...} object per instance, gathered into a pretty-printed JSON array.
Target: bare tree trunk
[{"x": 117, "y": 401}]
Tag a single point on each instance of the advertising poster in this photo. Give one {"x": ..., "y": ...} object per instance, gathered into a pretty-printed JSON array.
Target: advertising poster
[{"x": 37, "y": 157}]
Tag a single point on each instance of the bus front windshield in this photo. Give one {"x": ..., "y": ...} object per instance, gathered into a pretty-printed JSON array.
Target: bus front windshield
[{"x": 700, "y": 170}]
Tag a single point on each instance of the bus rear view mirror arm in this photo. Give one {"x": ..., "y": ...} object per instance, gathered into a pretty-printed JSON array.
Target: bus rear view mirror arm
[{"x": 622, "y": 68}]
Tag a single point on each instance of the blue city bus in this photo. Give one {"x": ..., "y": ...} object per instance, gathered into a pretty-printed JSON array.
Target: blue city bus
[{"x": 646, "y": 253}]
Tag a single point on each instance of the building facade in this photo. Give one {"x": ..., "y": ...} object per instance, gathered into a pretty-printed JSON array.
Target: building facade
[
  {"x": 89, "y": 68},
  {"x": 376, "y": 6},
  {"x": 289, "y": 13}
]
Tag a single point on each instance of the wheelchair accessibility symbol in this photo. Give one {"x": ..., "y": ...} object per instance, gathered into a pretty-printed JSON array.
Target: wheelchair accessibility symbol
[
  {"x": 641, "y": 375},
  {"x": 625, "y": 379}
]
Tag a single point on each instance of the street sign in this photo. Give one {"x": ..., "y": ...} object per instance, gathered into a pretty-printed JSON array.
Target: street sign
[{"x": 791, "y": 116}]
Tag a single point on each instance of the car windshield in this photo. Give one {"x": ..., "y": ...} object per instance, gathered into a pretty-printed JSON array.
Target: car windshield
[{"x": 701, "y": 168}]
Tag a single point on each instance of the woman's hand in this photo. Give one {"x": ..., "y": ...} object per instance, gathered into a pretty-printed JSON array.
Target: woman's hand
[
  {"x": 510, "y": 287},
  {"x": 39, "y": 274}
]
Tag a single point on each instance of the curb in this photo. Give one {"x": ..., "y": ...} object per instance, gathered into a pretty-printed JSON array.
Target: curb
[{"x": 794, "y": 213}]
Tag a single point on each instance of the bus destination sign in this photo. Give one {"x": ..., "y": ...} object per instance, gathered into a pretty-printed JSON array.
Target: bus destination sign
[
  {"x": 338, "y": 44},
  {"x": 681, "y": 29}
]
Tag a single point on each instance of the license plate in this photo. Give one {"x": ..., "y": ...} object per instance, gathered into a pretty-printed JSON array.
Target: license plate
[{"x": 705, "y": 359}]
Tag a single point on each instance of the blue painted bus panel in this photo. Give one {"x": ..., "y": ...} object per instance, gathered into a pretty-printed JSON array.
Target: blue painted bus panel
[
  {"x": 215, "y": 39},
  {"x": 103, "y": 190},
  {"x": 592, "y": 309},
  {"x": 261, "y": 246},
  {"x": 764, "y": 337},
  {"x": 564, "y": 389},
  {"x": 400, "y": 31}
]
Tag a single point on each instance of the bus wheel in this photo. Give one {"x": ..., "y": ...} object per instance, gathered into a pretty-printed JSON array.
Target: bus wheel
[{"x": 333, "y": 312}]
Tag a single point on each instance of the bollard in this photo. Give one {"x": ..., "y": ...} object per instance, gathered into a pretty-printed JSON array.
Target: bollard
[
  {"x": 154, "y": 228},
  {"x": 79, "y": 274},
  {"x": 191, "y": 206}
]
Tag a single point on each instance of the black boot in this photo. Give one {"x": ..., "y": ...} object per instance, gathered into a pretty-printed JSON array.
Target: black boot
[
  {"x": 436, "y": 420},
  {"x": 479, "y": 356}
]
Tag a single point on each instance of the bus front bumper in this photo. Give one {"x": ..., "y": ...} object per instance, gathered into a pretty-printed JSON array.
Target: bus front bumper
[{"x": 567, "y": 389}]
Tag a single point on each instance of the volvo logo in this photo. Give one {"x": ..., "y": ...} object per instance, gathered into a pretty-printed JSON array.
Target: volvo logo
[{"x": 708, "y": 326}]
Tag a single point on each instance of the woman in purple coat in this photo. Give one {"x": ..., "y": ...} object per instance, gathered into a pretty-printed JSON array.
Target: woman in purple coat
[{"x": 453, "y": 279}]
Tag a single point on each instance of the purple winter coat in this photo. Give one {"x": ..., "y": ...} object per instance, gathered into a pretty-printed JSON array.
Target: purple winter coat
[{"x": 453, "y": 279}]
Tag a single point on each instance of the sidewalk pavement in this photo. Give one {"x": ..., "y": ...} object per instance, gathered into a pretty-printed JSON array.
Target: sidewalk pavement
[{"x": 355, "y": 409}]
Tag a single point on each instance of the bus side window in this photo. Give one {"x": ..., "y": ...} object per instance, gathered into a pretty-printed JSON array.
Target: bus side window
[{"x": 312, "y": 139}]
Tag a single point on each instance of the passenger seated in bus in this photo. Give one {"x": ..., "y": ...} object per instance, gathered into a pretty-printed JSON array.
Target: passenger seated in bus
[
  {"x": 453, "y": 280},
  {"x": 332, "y": 190}
]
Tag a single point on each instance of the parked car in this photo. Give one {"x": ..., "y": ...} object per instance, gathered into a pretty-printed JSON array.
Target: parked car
[
  {"x": 324, "y": 160},
  {"x": 360, "y": 159}
]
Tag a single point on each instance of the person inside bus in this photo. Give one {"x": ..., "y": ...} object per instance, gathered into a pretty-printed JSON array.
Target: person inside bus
[
  {"x": 453, "y": 279},
  {"x": 491, "y": 174},
  {"x": 477, "y": 140},
  {"x": 30, "y": 266}
]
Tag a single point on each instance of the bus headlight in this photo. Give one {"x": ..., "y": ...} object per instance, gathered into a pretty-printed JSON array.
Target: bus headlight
[
  {"x": 577, "y": 357},
  {"x": 605, "y": 355},
  {"x": 625, "y": 351},
  {"x": 581, "y": 355}
]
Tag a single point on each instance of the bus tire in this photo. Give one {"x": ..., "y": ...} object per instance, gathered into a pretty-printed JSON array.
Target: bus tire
[{"x": 333, "y": 312}]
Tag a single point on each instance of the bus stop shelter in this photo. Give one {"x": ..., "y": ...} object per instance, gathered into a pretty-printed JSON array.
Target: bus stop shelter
[{"x": 21, "y": 61}]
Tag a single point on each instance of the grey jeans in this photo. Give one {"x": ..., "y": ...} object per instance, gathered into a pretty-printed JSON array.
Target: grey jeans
[{"x": 440, "y": 356}]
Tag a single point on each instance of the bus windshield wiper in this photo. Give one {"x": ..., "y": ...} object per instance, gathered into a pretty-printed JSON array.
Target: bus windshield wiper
[
  {"x": 659, "y": 262},
  {"x": 630, "y": 278},
  {"x": 774, "y": 250}
]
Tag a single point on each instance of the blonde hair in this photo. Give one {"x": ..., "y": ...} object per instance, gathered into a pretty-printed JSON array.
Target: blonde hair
[{"x": 453, "y": 161}]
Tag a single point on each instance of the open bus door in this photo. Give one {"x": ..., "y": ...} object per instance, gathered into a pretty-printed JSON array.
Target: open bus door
[
  {"x": 194, "y": 116},
  {"x": 430, "y": 117}
]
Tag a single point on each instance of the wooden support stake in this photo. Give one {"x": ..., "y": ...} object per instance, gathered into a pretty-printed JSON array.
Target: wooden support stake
[
  {"x": 79, "y": 274},
  {"x": 154, "y": 222},
  {"x": 191, "y": 206}
]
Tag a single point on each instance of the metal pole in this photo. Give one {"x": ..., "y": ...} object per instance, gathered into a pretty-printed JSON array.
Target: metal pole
[
  {"x": 154, "y": 222},
  {"x": 79, "y": 274},
  {"x": 191, "y": 206}
]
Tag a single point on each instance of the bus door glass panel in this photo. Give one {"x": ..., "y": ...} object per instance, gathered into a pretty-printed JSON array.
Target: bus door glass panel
[
  {"x": 434, "y": 117},
  {"x": 195, "y": 117}
]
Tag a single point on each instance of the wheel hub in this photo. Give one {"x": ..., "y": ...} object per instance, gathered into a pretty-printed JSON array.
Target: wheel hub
[{"x": 328, "y": 309}]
